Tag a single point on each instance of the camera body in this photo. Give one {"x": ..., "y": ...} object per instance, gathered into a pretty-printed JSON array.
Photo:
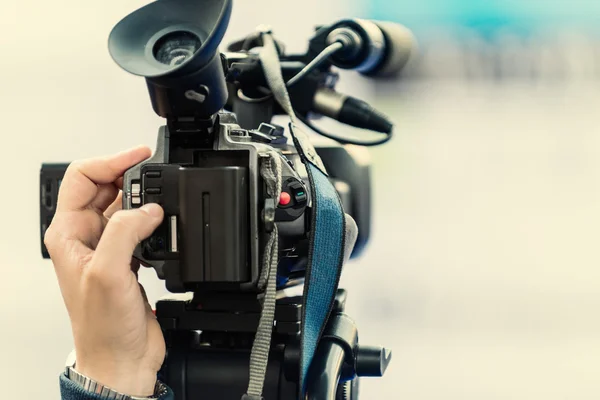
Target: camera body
[
  {"x": 206, "y": 176},
  {"x": 210, "y": 173},
  {"x": 208, "y": 181}
]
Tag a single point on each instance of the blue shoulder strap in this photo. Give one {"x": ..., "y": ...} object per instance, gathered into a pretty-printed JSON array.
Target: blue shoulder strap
[
  {"x": 325, "y": 259},
  {"x": 328, "y": 225}
]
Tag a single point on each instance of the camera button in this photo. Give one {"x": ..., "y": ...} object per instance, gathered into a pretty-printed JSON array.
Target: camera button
[
  {"x": 285, "y": 199},
  {"x": 153, "y": 190}
]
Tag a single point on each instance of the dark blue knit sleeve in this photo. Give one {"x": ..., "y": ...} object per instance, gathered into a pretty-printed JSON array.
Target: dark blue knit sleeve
[{"x": 69, "y": 390}]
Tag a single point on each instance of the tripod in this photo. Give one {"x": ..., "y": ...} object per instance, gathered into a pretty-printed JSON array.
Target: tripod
[{"x": 210, "y": 337}]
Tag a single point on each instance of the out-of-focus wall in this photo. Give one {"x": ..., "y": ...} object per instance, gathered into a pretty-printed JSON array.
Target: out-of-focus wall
[
  {"x": 483, "y": 270},
  {"x": 482, "y": 274},
  {"x": 63, "y": 98}
]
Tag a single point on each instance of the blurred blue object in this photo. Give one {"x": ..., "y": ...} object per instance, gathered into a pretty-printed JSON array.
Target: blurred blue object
[
  {"x": 486, "y": 15},
  {"x": 548, "y": 40}
]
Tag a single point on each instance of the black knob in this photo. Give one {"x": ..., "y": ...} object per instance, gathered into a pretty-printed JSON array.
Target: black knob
[{"x": 372, "y": 361}]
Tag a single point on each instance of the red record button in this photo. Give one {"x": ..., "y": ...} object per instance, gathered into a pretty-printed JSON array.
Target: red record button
[{"x": 285, "y": 198}]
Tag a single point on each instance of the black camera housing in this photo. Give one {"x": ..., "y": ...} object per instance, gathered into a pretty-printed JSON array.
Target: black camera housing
[
  {"x": 190, "y": 168},
  {"x": 205, "y": 172},
  {"x": 209, "y": 185}
]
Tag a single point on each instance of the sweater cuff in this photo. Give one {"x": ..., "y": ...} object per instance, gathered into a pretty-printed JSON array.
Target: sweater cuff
[{"x": 69, "y": 390}]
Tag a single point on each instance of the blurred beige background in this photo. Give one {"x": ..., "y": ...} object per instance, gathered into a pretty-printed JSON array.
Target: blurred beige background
[{"x": 482, "y": 274}]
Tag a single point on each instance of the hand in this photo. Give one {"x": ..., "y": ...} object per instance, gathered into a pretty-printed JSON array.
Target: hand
[{"x": 118, "y": 341}]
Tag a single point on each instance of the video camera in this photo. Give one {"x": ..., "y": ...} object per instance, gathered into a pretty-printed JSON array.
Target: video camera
[{"x": 208, "y": 174}]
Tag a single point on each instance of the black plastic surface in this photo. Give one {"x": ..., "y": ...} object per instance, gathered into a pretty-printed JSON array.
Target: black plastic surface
[
  {"x": 319, "y": 42},
  {"x": 214, "y": 224},
  {"x": 160, "y": 184},
  {"x": 131, "y": 42},
  {"x": 136, "y": 42},
  {"x": 222, "y": 374},
  {"x": 372, "y": 361},
  {"x": 210, "y": 208},
  {"x": 50, "y": 179},
  {"x": 225, "y": 312},
  {"x": 360, "y": 114},
  {"x": 299, "y": 198},
  {"x": 169, "y": 94},
  {"x": 208, "y": 363}
]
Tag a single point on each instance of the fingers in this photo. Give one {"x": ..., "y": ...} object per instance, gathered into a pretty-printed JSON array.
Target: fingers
[
  {"x": 124, "y": 231},
  {"x": 115, "y": 206},
  {"x": 80, "y": 187},
  {"x": 106, "y": 195},
  {"x": 69, "y": 255}
]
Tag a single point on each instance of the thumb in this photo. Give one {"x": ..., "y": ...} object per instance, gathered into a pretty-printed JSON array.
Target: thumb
[{"x": 124, "y": 231}]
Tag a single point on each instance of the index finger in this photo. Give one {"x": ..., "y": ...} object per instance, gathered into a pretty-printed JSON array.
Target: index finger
[{"x": 80, "y": 183}]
